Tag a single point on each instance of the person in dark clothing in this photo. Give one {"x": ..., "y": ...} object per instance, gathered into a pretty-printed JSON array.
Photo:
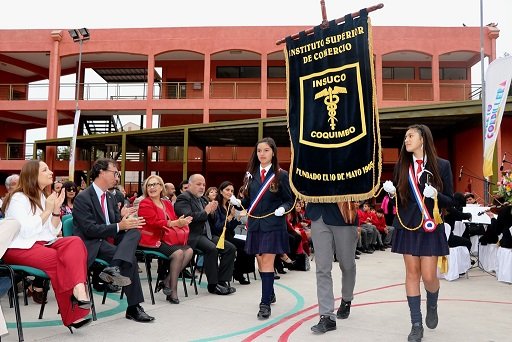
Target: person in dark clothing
[
  {"x": 499, "y": 225},
  {"x": 454, "y": 214}
]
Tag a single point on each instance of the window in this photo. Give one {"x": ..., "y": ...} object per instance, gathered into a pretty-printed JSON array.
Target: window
[
  {"x": 238, "y": 72},
  {"x": 453, "y": 74},
  {"x": 276, "y": 72},
  {"x": 425, "y": 73},
  {"x": 398, "y": 73}
]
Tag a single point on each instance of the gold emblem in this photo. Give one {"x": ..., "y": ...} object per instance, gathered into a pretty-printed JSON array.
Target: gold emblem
[{"x": 331, "y": 100}]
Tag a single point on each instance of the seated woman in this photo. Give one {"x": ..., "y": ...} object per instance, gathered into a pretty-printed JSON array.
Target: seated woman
[
  {"x": 164, "y": 232},
  {"x": 70, "y": 189},
  {"x": 302, "y": 225},
  {"x": 37, "y": 245},
  {"x": 244, "y": 263}
]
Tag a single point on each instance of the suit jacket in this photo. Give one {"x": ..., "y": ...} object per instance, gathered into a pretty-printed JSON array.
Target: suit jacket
[
  {"x": 187, "y": 205},
  {"x": 153, "y": 231},
  {"x": 269, "y": 202},
  {"x": 89, "y": 222},
  {"x": 411, "y": 214}
]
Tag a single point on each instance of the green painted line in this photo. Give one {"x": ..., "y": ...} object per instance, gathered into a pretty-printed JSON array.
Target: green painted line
[
  {"x": 121, "y": 307},
  {"x": 299, "y": 304}
]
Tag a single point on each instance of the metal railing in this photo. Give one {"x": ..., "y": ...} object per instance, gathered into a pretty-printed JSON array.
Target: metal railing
[
  {"x": 425, "y": 91},
  {"x": 16, "y": 151},
  {"x": 223, "y": 90}
]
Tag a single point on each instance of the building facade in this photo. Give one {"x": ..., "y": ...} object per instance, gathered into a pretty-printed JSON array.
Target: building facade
[{"x": 200, "y": 75}]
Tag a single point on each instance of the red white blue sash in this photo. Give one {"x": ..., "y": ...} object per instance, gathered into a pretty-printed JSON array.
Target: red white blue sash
[
  {"x": 428, "y": 223},
  {"x": 264, "y": 187}
]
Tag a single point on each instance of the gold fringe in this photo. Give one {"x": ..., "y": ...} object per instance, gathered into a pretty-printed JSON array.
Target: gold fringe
[
  {"x": 442, "y": 264},
  {"x": 437, "y": 215}
]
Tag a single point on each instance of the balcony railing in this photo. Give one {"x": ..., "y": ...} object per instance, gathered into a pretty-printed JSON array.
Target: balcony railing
[
  {"x": 16, "y": 151},
  {"x": 223, "y": 90},
  {"x": 138, "y": 91},
  {"x": 425, "y": 91}
]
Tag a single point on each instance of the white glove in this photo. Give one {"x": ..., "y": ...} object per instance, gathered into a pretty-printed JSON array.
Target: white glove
[
  {"x": 430, "y": 191},
  {"x": 279, "y": 211},
  {"x": 234, "y": 201},
  {"x": 389, "y": 187}
]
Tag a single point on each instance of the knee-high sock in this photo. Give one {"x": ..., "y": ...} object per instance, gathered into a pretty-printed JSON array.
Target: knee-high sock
[
  {"x": 414, "y": 307},
  {"x": 432, "y": 298},
  {"x": 267, "y": 286}
]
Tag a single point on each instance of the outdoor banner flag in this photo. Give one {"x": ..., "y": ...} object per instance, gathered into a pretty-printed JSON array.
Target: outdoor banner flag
[
  {"x": 497, "y": 84},
  {"x": 333, "y": 121}
]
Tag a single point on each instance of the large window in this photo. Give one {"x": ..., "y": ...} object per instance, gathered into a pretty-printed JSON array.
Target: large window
[
  {"x": 425, "y": 73},
  {"x": 398, "y": 73},
  {"x": 453, "y": 74},
  {"x": 276, "y": 72},
  {"x": 238, "y": 72}
]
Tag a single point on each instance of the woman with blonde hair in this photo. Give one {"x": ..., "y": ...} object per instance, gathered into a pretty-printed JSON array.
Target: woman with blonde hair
[{"x": 166, "y": 233}]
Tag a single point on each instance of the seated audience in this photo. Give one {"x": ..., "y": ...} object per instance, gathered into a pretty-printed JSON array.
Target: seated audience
[
  {"x": 166, "y": 233},
  {"x": 454, "y": 214},
  {"x": 385, "y": 230}
]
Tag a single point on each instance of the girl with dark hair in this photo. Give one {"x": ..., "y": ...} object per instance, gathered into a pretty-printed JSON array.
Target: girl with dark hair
[
  {"x": 244, "y": 263},
  {"x": 267, "y": 196},
  {"x": 70, "y": 190},
  {"x": 424, "y": 182},
  {"x": 37, "y": 245}
]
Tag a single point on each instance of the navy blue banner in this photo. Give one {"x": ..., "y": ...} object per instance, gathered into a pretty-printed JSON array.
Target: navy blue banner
[{"x": 332, "y": 115}]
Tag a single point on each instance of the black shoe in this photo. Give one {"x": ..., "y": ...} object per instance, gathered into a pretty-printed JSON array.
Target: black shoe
[
  {"x": 431, "y": 320},
  {"x": 137, "y": 314},
  {"x": 242, "y": 280},
  {"x": 343, "y": 310},
  {"x": 220, "y": 290},
  {"x": 416, "y": 333},
  {"x": 172, "y": 300},
  {"x": 357, "y": 252},
  {"x": 264, "y": 312},
  {"x": 112, "y": 275},
  {"x": 276, "y": 277},
  {"x": 367, "y": 251},
  {"x": 326, "y": 324},
  {"x": 79, "y": 325},
  {"x": 357, "y": 257},
  {"x": 82, "y": 304},
  {"x": 273, "y": 298}
]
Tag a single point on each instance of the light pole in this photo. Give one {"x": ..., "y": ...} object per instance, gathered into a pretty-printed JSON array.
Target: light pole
[{"x": 78, "y": 36}]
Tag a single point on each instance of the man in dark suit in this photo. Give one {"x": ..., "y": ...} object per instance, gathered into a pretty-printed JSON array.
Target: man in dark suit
[
  {"x": 192, "y": 203},
  {"x": 96, "y": 218}
]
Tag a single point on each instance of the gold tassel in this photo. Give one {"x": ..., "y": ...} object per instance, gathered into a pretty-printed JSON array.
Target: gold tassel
[
  {"x": 437, "y": 215},
  {"x": 442, "y": 264},
  {"x": 220, "y": 243}
]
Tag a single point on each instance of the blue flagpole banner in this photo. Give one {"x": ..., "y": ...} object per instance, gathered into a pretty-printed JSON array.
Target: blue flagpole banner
[{"x": 333, "y": 120}]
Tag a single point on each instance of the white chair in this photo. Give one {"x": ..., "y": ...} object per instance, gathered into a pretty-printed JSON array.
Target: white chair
[
  {"x": 504, "y": 265},
  {"x": 459, "y": 260},
  {"x": 487, "y": 257}
]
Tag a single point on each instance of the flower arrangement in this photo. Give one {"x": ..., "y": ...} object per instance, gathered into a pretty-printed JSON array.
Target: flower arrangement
[{"x": 505, "y": 186}]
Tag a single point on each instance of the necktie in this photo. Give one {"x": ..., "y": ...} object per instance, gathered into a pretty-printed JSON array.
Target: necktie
[
  {"x": 263, "y": 175},
  {"x": 418, "y": 169},
  {"x": 103, "y": 204}
]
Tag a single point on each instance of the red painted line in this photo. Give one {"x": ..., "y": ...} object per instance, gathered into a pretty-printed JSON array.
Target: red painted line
[{"x": 287, "y": 318}]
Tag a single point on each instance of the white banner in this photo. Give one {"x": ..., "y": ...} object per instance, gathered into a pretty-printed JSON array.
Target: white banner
[{"x": 497, "y": 84}]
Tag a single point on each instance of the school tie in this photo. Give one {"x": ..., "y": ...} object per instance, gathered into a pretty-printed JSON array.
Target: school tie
[
  {"x": 418, "y": 169},
  {"x": 263, "y": 171},
  {"x": 103, "y": 204}
]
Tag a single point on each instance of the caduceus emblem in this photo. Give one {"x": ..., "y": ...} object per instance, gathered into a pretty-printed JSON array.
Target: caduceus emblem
[{"x": 331, "y": 100}]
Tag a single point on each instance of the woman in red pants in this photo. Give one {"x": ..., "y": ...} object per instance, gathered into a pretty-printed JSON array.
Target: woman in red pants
[{"x": 37, "y": 244}]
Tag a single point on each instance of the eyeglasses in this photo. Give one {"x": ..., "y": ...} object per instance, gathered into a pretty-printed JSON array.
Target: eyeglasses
[
  {"x": 153, "y": 185},
  {"x": 116, "y": 173},
  {"x": 71, "y": 190}
]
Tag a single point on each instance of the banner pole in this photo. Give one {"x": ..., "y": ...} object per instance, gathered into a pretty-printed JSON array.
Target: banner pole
[
  {"x": 338, "y": 21},
  {"x": 482, "y": 75}
]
